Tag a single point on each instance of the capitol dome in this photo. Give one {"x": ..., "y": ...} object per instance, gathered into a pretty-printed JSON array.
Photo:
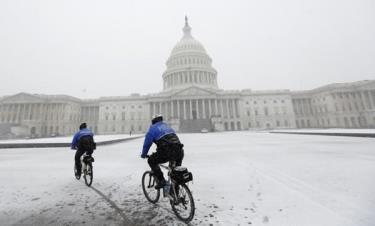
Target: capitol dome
[{"x": 189, "y": 64}]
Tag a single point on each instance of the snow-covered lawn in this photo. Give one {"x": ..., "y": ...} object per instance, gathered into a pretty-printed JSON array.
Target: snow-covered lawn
[
  {"x": 98, "y": 138},
  {"x": 365, "y": 131},
  {"x": 240, "y": 178}
]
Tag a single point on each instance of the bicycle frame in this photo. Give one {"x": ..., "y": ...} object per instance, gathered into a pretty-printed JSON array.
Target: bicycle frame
[{"x": 172, "y": 183}]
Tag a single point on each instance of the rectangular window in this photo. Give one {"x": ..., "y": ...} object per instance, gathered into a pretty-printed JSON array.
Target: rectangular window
[{"x": 266, "y": 111}]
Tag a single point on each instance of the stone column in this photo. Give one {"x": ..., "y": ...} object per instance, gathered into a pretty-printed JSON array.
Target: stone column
[
  {"x": 178, "y": 109},
  {"x": 204, "y": 115},
  {"x": 30, "y": 111},
  {"x": 164, "y": 111},
  {"x": 372, "y": 94},
  {"x": 197, "y": 108},
  {"x": 26, "y": 115},
  {"x": 1, "y": 112},
  {"x": 172, "y": 109},
  {"x": 184, "y": 107},
  {"x": 159, "y": 108},
  {"x": 227, "y": 106},
  {"x": 236, "y": 114},
  {"x": 222, "y": 108},
  {"x": 191, "y": 109},
  {"x": 16, "y": 112},
  {"x": 152, "y": 106},
  {"x": 168, "y": 113},
  {"x": 369, "y": 99},
  {"x": 216, "y": 107},
  {"x": 11, "y": 112},
  {"x": 233, "y": 110},
  {"x": 35, "y": 113},
  {"x": 209, "y": 108}
]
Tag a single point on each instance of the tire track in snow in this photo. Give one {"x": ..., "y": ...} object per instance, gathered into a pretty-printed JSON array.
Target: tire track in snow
[{"x": 126, "y": 221}]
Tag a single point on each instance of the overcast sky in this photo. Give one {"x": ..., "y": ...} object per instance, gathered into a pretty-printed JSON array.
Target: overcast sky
[{"x": 92, "y": 48}]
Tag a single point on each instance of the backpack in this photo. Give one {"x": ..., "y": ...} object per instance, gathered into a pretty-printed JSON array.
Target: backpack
[{"x": 86, "y": 143}]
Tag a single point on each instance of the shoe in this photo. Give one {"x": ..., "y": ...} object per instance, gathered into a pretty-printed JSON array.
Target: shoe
[
  {"x": 160, "y": 184},
  {"x": 78, "y": 175}
]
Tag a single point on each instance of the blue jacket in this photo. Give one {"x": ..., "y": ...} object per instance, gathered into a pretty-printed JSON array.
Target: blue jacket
[
  {"x": 154, "y": 133},
  {"x": 78, "y": 135}
]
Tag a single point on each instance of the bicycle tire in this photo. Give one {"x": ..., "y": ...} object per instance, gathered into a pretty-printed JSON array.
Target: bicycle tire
[
  {"x": 148, "y": 186},
  {"x": 88, "y": 174},
  {"x": 184, "y": 189}
]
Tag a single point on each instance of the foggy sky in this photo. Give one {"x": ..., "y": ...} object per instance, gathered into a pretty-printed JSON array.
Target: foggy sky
[{"x": 90, "y": 49}]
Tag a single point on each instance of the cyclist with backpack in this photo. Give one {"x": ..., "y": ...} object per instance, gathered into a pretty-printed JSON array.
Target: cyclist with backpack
[
  {"x": 169, "y": 148},
  {"x": 83, "y": 142}
]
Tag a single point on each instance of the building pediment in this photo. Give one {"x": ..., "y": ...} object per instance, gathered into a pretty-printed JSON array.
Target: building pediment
[
  {"x": 21, "y": 98},
  {"x": 194, "y": 91}
]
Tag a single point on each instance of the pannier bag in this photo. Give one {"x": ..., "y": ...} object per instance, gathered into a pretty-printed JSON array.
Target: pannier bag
[{"x": 181, "y": 175}]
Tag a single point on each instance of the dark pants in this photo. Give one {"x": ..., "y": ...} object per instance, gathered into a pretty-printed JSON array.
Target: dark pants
[
  {"x": 78, "y": 155},
  {"x": 163, "y": 155}
]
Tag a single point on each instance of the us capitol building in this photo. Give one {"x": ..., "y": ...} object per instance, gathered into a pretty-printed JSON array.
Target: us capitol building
[{"x": 191, "y": 100}]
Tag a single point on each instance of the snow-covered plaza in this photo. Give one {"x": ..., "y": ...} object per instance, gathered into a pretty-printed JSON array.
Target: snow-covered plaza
[{"x": 240, "y": 178}]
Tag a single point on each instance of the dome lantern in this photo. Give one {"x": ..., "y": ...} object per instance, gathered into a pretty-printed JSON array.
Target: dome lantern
[{"x": 187, "y": 29}]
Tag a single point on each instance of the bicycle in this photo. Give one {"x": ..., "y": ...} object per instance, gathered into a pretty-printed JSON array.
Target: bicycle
[
  {"x": 176, "y": 190},
  {"x": 87, "y": 169}
]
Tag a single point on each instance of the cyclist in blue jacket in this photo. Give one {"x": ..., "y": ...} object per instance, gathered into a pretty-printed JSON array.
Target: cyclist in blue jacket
[
  {"x": 83, "y": 141},
  {"x": 168, "y": 147}
]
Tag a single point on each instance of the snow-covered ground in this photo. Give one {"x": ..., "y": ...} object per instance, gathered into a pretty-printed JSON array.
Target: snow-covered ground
[
  {"x": 98, "y": 138},
  {"x": 365, "y": 131},
  {"x": 240, "y": 178}
]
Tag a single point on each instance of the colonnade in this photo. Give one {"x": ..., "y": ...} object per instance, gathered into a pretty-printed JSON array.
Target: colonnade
[{"x": 195, "y": 108}]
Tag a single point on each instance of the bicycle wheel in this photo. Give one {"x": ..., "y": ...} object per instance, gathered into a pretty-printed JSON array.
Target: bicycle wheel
[
  {"x": 184, "y": 206},
  {"x": 88, "y": 174},
  {"x": 148, "y": 187},
  {"x": 75, "y": 173}
]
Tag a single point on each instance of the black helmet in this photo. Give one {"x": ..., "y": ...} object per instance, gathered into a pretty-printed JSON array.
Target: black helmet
[
  {"x": 157, "y": 118},
  {"x": 83, "y": 126}
]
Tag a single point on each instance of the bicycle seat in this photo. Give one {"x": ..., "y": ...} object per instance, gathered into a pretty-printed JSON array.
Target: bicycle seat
[{"x": 88, "y": 159}]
